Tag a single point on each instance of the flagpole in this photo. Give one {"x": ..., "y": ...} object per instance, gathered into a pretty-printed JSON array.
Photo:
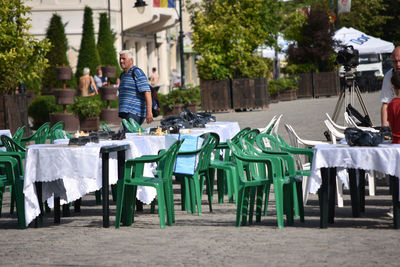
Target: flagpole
[{"x": 181, "y": 45}]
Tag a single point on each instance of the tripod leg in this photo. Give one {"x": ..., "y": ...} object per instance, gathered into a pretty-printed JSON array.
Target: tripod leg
[
  {"x": 339, "y": 104},
  {"x": 358, "y": 92}
]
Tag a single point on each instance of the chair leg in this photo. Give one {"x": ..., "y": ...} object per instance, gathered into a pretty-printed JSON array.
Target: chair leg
[
  {"x": 239, "y": 207},
  {"x": 152, "y": 206},
  {"x": 2, "y": 189},
  {"x": 12, "y": 200},
  {"x": 260, "y": 193},
  {"x": 371, "y": 182},
  {"x": 120, "y": 198},
  {"x": 267, "y": 190},
  {"x": 169, "y": 203},
  {"x": 245, "y": 206},
  {"x": 210, "y": 186},
  {"x": 251, "y": 205},
  {"x": 161, "y": 204},
  {"x": 299, "y": 196},
  {"x": 19, "y": 197},
  {"x": 197, "y": 193},
  {"x": 278, "y": 190},
  {"x": 339, "y": 195},
  {"x": 220, "y": 185},
  {"x": 129, "y": 204}
]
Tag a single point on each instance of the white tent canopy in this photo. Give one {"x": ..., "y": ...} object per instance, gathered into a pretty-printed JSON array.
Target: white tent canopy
[{"x": 364, "y": 43}]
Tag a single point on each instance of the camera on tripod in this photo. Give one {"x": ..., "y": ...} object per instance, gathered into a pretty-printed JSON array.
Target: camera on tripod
[{"x": 348, "y": 57}]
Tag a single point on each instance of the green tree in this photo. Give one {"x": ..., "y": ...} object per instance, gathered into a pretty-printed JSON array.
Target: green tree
[
  {"x": 391, "y": 30},
  {"x": 22, "y": 56},
  {"x": 314, "y": 50},
  {"x": 105, "y": 44},
  {"x": 88, "y": 54},
  {"x": 368, "y": 16},
  {"x": 57, "y": 55},
  {"x": 226, "y": 33}
]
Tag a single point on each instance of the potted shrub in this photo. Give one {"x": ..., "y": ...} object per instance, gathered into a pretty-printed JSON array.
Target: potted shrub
[
  {"x": 88, "y": 110},
  {"x": 273, "y": 90},
  {"x": 288, "y": 88},
  {"x": 194, "y": 99},
  {"x": 174, "y": 102}
]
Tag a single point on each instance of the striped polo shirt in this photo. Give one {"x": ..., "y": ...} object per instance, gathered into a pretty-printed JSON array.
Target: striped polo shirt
[{"x": 131, "y": 92}]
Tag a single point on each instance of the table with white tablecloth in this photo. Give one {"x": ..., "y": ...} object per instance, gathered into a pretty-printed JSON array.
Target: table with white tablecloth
[{"x": 383, "y": 158}]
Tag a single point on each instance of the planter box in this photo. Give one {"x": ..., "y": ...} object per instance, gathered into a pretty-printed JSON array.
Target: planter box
[
  {"x": 71, "y": 121},
  {"x": 318, "y": 84},
  {"x": 110, "y": 116},
  {"x": 194, "y": 107},
  {"x": 274, "y": 98},
  {"x": 243, "y": 93},
  {"x": 89, "y": 124},
  {"x": 175, "y": 111},
  {"x": 215, "y": 95},
  {"x": 14, "y": 113},
  {"x": 287, "y": 95},
  {"x": 64, "y": 96},
  {"x": 108, "y": 93}
]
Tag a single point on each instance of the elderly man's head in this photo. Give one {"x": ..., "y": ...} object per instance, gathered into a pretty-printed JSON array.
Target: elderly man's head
[
  {"x": 86, "y": 71},
  {"x": 126, "y": 60},
  {"x": 396, "y": 59}
]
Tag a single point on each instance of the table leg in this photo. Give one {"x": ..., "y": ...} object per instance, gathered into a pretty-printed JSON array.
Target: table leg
[
  {"x": 394, "y": 186},
  {"x": 361, "y": 187},
  {"x": 77, "y": 205},
  {"x": 323, "y": 198},
  {"x": 331, "y": 194},
  {"x": 57, "y": 213},
  {"x": 65, "y": 209},
  {"x": 105, "y": 172},
  {"x": 39, "y": 219},
  {"x": 354, "y": 193}
]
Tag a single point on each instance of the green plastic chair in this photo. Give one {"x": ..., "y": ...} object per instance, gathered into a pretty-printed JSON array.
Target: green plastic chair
[
  {"x": 136, "y": 125},
  {"x": 104, "y": 126},
  {"x": 57, "y": 126},
  {"x": 11, "y": 176},
  {"x": 61, "y": 134},
  {"x": 17, "y": 135},
  {"x": 270, "y": 144},
  {"x": 129, "y": 127},
  {"x": 133, "y": 177},
  {"x": 264, "y": 169},
  {"x": 192, "y": 185},
  {"x": 39, "y": 137},
  {"x": 226, "y": 169}
]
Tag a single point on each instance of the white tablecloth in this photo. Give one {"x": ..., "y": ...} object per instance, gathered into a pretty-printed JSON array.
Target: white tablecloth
[
  {"x": 384, "y": 158},
  {"x": 69, "y": 172}
]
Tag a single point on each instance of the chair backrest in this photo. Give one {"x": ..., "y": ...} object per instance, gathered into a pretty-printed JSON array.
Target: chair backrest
[
  {"x": 209, "y": 143},
  {"x": 104, "y": 126},
  {"x": 11, "y": 145},
  {"x": 61, "y": 134},
  {"x": 57, "y": 126},
  {"x": 275, "y": 128},
  {"x": 251, "y": 135},
  {"x": 10, "y": 170},
  {"x": 136, "y": 125},
  {"x": 268, "y": 128},
  {"x": 333, "y": 131},
  {"x": 165, "y": 166},
  {"x": 129, "y": 127},
  {"x": 337, "y": 126},
  {"x": 18, "y": 134}
]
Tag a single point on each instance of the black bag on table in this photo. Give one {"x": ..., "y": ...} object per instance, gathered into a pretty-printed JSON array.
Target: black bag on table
[{"x": 358, "y": 137}]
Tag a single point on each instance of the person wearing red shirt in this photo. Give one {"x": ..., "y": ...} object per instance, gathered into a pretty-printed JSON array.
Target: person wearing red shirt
[{"x": 394, "y": 109}]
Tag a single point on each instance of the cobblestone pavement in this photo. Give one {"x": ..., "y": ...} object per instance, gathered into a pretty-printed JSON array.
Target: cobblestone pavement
[{"x": 212, "y": 238}]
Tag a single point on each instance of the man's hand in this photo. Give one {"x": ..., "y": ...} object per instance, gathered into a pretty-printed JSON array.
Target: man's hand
[
  {"x": 149, "y": 116},
  {"x": 149, "y": 113}
]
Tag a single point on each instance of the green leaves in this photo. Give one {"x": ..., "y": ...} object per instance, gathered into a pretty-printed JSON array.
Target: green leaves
[
  {"x": 22, "y": 56},
  {"x": 86, "y": 107},
  {"x": 226, "y": 33}
]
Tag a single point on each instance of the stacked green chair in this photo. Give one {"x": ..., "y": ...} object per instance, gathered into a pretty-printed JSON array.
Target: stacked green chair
[
  {"x": 17, "y": 135},
  {"x": 39, "y": 137},
  {"x": 264, "y": 169},
  {"x": 57, "y": 126},
  {"x": 133, "y": 177},
  {"x": 192, "y": 184},
  {"x": 226, "y": 169},
  {"x": 12, "y": 176},
  {"x": 270, "y": 144}
]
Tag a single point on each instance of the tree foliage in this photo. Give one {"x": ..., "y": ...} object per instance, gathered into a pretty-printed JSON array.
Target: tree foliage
[
  {"x": 368, "y": 16},
  {"x": 314, "y": 50},
  {"x": 105, "y": 44},
  {"x": 88, "y": 54},
  {"x": 391, "y": 30},
  {"x": 57, "y": 56},
  {"x": 226, "y": 33},
  {"x": 22, "y": 56}
]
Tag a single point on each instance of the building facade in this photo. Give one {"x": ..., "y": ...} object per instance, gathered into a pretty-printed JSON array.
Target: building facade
[{"x": 150, "y": 33}]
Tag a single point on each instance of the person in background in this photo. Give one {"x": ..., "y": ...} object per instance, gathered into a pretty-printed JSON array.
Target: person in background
[
  {"x": 387, "y": 93},
  {"x": 99, "y": 79},
  {"x": 85, "y": 81},
  {"x": 134, "y": 91},
  {"x": 176, "y": 78},
  {"x": 154, "y": 80},
  {"x": 393, "y": 109}
]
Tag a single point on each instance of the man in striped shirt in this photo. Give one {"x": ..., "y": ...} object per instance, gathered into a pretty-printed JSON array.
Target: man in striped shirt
[{"x": 134, "y": 91}]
